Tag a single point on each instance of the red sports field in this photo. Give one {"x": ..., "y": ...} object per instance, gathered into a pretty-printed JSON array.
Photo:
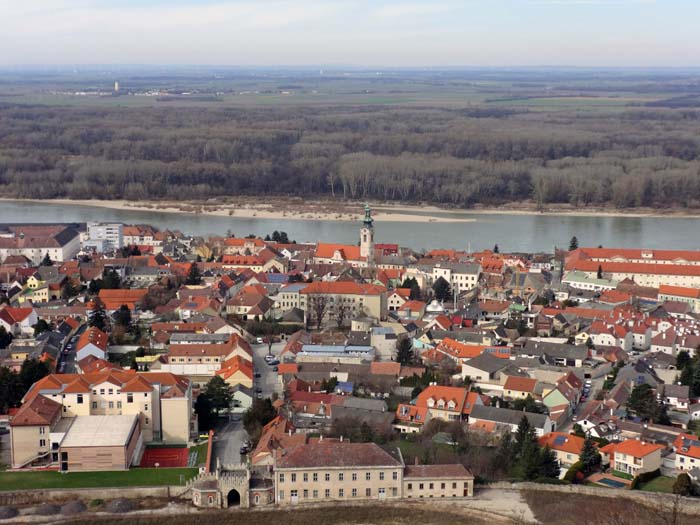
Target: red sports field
[{"x": 165, "y": 457}]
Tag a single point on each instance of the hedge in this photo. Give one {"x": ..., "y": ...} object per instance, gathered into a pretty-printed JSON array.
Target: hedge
[{"x": 644, "y": 477}]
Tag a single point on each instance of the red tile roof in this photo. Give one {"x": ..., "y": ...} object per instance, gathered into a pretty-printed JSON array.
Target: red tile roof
[
  {"x": 520, "y": 384},
  {"x": 333, "y": 454},
  {"x": 679, "y": 291},
  {"x": 93, "y": 336},
  {"x": 563, "y": 442},
  {"x": 38, "y": 411},
  {"x": 348, "y": 252}
]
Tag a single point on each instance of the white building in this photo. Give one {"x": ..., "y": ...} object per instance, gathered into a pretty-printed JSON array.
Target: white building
[{"x": 111, "y": 233}]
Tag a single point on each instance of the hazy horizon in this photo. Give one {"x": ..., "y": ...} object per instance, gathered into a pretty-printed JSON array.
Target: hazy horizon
[{"x": 352, "y": 34}]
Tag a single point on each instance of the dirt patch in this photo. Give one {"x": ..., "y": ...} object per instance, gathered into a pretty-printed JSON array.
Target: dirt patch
[
  {"x": 384, "y": 514},
  {"x": 550, "y": 508},
  {"x": 72, "y": 508}
]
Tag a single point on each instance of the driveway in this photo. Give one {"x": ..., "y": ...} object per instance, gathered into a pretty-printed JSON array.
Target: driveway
[
  {"x": 268, "y": 377},
  {"x": 228, "y": 438}
]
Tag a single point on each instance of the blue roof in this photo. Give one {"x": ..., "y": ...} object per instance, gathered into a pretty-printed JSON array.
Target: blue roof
[
  {"x": 344, "y": 386},
  {"x": 560, "y": 440},
  {"x": 277, "y": 278}
]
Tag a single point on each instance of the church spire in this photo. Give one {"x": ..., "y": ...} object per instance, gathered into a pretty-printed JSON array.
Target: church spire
[{"x": 368, "y": 216}]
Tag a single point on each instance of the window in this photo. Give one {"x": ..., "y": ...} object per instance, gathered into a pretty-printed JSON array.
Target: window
[
  {"x": 111, "y": 391},
  {"x": 381, "y": 476},
  {"x": 80, "y": 399},
  {"x": 281, "y": 495},
  {"x": 119, "y": 404},
  {"x": 145, "y": 407},
  {"x": 420, "y": 486},
  {"x": 368, "y": 476},
  {"x": 42, "y": 442},
  {"x": 327, "y": 477},
  {"x": 94, "y": 392},
  {"x": 442, "y": 486},
  {"x": 102, "y": 391},
  {"x": 281, "y": 478},
  {"x": 466, "y": 485},
  {"x": 354, "y": 476},
  {"x": 306, "y": 494},
  {"x": 382, "y": 491},
  {"x": 328, "y": 493},
  {"x": 130, "y": 398},
  {"x": 42, "y": 430},
  {"x": 431, "y": 486},
  {"x": 368, "y": 492},
  {"x": 394, "y": 476},
  {"x": 314, "y": 494},
  {"x": 293, "y": 493},
  {"x": 146, "y": 421},
  {"x": 306, "y": 477},
  {"x": 354, "y": 493},
  {"x": 340, "y": 476},
  {"x": 394, "y": 492},
  {"x": 145, "y": 394},
  {"x": 94, "y": 404},
  {"x": 294, "y": 477},
  {"x": 410, "y": 486},
  {"x": 341, "y": 493}
]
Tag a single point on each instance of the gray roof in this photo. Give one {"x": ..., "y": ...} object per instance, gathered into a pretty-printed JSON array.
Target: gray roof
[
  {"x": 468, "y": 268},
  {"x": 488, "y": 363},
  {"x": 679, "y": 391},
  {"x": 176, "y": 338},
  {"x": 557, "y": 350},
  {"x": 359, "y": 403},
  {"x": 507, "y": 416}
]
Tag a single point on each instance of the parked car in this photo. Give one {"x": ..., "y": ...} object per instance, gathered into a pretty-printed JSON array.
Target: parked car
[
  {"x": 274, "y": 362},
  {"x": 275, "y": 369},
  {"x": 259, "y": 340},
  {"x": 257, "y": 375},
  {"x": 243, "y": 450},
  {"x": 269, "y": 357}
]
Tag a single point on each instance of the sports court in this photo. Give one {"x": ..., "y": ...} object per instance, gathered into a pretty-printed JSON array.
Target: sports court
[{"x": 165, "y": 457}]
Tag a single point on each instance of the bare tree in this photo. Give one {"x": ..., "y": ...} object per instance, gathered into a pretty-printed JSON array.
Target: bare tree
[
  {"x": 341, "y": 310},
  {"x": 318, "y": 305}
]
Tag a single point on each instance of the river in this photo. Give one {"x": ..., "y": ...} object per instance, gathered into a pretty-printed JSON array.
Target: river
[{"x": 526, "y": 233}]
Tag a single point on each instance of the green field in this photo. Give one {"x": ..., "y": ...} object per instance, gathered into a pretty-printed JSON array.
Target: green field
[
  {"x": 132, "y": 478},
  {"x": 660, "y": 484}
]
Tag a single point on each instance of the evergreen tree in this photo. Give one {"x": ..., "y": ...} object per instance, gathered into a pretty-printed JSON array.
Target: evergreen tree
[
  {"x": 412, "y": 284},
  {"x": 686, "y": 377},
  {"x": 111, "y": 280},
  {"x": 589, "y": 457},
  {"x": 523, "y": 435},
  {"x": 69, "y": 290},
  {"x": 599, "y": 275},
  {"x": 194, "y": 277},
  {"x": 573, "y": 244},
  {"x": 122, "y": 317},
  {"x": 5, "y": 338},
  {"x": 549, "y": 465},
  {"x": 46, "y": 261},
  {"x": 496, "y": 249},
  {"x": 219, "y": 393},
  {"x": 98, "y": 316},
  {"x": 683, "y": 485},
  {"x": 31, "y": 371},
  {"x": 503, "y": 459},
  {"x": 41, "y": 326},
  {"x": 404, "y": 353},
  {"x": 682, "y": 359},
  {"x": 695, "y": 390},
  {"x": 441, "y": 288}
]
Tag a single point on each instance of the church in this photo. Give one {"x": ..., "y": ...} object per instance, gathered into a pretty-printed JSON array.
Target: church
[{"x": 358, "y": 256}]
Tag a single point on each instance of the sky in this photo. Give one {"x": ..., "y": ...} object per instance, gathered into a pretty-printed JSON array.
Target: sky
[{"x": 378, "y": 33}]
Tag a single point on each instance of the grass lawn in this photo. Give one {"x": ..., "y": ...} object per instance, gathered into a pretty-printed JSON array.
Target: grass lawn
[
  {"x": 201, "y": 452},
  {"x": 660, "y": 484},
  {"x": 140, "y": 477}
]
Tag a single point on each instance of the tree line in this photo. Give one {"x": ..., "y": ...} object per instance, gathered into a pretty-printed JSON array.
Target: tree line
[{"x": 455, "y": 156}]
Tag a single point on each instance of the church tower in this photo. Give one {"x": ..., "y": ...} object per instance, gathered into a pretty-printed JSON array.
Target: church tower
[{"x": 367, "y": 236}]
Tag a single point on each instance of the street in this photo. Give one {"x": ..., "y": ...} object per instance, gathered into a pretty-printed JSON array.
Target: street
[
  {"x": 67, "y": 364},
  {"x": 268, "y": 377},
  {"x": 228, "y": 438}
]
